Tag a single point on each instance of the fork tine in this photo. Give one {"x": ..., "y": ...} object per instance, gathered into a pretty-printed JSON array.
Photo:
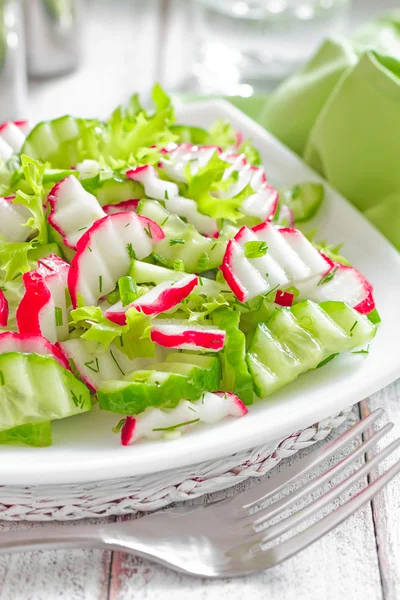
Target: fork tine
[
  {"x": 280, "y": 505},
  {"x": 264, "y": 559},
  {"x": 288, "y": 523},
  {"x": 260, "y": 493}
]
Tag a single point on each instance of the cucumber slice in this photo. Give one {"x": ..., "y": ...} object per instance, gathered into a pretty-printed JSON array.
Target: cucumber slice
[
  {"x": 164, "y": 386},
  {"x": 314, "y": 319},
  {"x": 36, "y": 388},
  {"x": 357, "y": 327},
  {"x": 303, "y": 200},
  {"x": 111, "y": 191},
  {"x": 236, "y": 376},
  {"x": 143, "y": 272},
  {"x": 32, "y": 434},
  {"x": 264, "y": 380},
  {"x": 182, "y": 241},
  {"x": 284, "y": 325},
  {"x": 58, "y": 141},
  {"x": 298, "y": 339}
]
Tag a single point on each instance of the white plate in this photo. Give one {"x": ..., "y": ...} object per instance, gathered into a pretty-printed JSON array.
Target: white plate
[{"x": 85, "y": 449}]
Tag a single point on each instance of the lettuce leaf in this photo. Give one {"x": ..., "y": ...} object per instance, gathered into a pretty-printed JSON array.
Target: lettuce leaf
[
  {"x": 32, "y": 434},
  {"x": 14, "y": 255},
  {"x": 236, "y": 377},
  {"x": 131, "y": 128},
  {"x": 133, "y": 339}
]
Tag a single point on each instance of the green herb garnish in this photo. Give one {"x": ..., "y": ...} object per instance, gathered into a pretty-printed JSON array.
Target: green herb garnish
[
  {"x": 173, "y": 427},
  {"x": 328, "y": 277},
  {"x": 59, "y": 316},
  {"x": 328, "y": 359},
  {"x": 116, "y": 362},
  {"x": 255, "y": 249}
]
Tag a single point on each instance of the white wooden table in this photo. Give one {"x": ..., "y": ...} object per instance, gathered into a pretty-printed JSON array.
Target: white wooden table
[{"x": 360, "y": 560}]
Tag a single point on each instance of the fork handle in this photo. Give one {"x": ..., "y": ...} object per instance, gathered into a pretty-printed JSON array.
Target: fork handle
[{"x": 53, "y": 537}]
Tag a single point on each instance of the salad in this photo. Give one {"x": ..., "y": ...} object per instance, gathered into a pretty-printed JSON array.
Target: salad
[{"x": 151, "y": 268}]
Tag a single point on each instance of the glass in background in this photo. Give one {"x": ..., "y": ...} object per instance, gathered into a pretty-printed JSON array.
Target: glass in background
[
  {"x": 12, "y": 61},
  {"x": 247, "y": 45},
  {"x": 52, "y": 36}
]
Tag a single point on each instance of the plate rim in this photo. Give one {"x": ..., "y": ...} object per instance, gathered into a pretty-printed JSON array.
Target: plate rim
[{"x": 102, "y": 468}]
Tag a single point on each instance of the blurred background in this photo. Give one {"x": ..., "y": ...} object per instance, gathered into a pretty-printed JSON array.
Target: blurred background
[{"x": 86, "y": 56}]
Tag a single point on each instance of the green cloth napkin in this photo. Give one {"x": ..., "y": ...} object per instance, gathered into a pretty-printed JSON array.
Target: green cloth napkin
[{"x": 341, "y": 113}]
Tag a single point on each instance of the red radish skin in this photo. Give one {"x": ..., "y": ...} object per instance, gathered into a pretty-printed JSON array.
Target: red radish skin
[
  {"x": 154, "y": 186},
  {"x": 210, "y": 408},
  {"x": 242, "y": 408},
  {"x": 22, "y": 125},
  {"x": 125, "y": 206},
  {"x": 31, "y": 344},
  {"x": 239, "y": 139},
  {"x": 207, "y": 340},
  {"x": 3, "y": 310},
  {"x": 284, "y": 298},
  {"x": 127, "y": 431},
  {"x": 38, "y": 294},
  {"x": 229, "y": 276},
  {"x": 167, "y": 298},
  {"x": 119, "y": 222}
]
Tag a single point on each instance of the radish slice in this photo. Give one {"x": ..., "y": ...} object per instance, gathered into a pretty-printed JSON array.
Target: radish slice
[
  {"x": 3, "y": 310},
  {"x": 105, "y": 251},
  {"x": 262, "y": 204},
  {"x": 346, "y": 285},
  {"x": 288, "y": 258},
  {"x": 125, "y": 206},
  {"x": 12, "y": 220},
  {"x": 172, "y": 333},
  {"x": 154, "y": 423},
  {"x": 284, "y": 298},
  {"x": 154, "y": 187},
  {"x": 184, "y": 207},
  {"x": 73, "y": 210},
  {"x": 94, "y": 366},
  {"x": 161, "y": 298},
  {"x": 88, "y": 168},
  {"x": 43, "y": 309},
  {"x": 12, "y": 137},
  {"x": 286, "y": 217},
  {"x": 186, "y": 154},
  {"x": 31, "y": 344}
]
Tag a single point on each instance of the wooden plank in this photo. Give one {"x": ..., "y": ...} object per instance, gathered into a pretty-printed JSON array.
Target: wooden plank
[
  {"x": 69, "y": 574},
  {"x": 119, "y": 58},
  {"x": 341, "y": 565},
  {"x": 386, "y": 506}
]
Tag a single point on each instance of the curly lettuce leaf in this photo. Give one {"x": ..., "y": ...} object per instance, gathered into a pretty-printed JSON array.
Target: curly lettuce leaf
[
  {"x": 32, "y": 434},
  {"x": 133, "y": 339},
  {"x": 131, "y": 128},
  {"x": 14, "y": 255},
  {"x": 207, "y": 181},
  {"x": 222, "y": 134},
  {"x": 197, "y": 307}
]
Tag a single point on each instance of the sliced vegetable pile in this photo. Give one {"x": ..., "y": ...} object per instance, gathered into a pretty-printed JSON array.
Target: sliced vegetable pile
[{"x": 153, "y": 268}]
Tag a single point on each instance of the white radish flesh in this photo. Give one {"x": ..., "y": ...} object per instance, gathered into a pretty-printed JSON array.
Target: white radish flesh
[
  {"x": 155, "y": 424},
  {"x": 104, "y": 254},
  {"x": 154, "y": 187},
  {"x": 73, "y": 210},
  {"x": 96, "y": 364},
  {"x": 12, "y": 220}
]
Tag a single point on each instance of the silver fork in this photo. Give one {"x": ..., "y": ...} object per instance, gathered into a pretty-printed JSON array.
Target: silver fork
[{"x": 225, "y": 538}]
